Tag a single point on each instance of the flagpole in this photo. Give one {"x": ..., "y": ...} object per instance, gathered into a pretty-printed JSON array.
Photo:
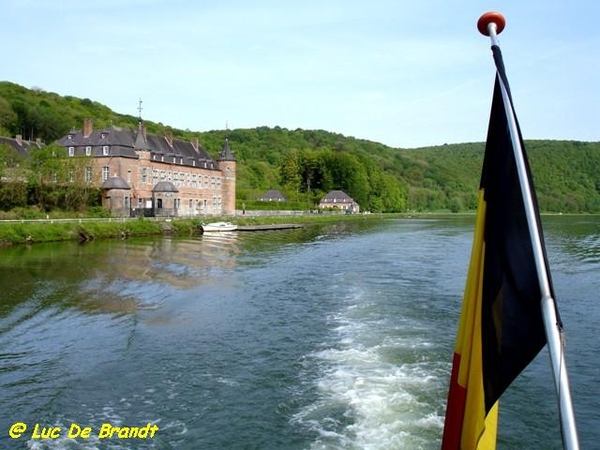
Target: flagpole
[{"x": 491, "y": 24}]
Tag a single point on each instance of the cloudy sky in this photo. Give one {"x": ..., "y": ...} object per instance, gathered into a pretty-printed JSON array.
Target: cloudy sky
[{"x": 402, "y": 72}]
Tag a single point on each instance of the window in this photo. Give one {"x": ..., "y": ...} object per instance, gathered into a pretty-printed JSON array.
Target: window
[
  {"x": 105, "y": 150},
  {"x": 88, "y": 150},
  {"x": 144, "y": 174},
  {"x": 88, "y": 174},
  {"x": 105, "y": 172},
  {"x": 129, "y": 176},
  {"x": 71, "y": 151}
]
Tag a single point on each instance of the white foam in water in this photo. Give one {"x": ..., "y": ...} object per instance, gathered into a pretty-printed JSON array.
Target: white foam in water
[{"x": 366, "y": 400}]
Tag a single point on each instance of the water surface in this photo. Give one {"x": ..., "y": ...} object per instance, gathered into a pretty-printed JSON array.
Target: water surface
[{"x": 329, "y": 337}]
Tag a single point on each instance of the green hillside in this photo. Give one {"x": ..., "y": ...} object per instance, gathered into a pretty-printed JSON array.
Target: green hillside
[{"x": 304, "y": 164}]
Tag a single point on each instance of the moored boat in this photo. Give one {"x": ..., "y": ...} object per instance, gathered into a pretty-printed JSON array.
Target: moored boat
[{"x": 216, "y": 227}]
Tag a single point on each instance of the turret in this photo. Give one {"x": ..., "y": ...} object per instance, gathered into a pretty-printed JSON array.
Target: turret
[{"x": 227, "y": 164}]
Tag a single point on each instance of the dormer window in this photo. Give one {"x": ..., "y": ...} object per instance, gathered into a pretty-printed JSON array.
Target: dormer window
[
  {"x": 88, "y": 150},
  {"x": 105, "y": 150},
  {"x": 102, "y": 135},
  {"x": 70, "y": 136},
  {"x": 71, "y": 151}
]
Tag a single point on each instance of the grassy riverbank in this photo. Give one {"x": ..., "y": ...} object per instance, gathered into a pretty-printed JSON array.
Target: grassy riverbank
[
  {"x": 33, "y": 232},
  {"x": 29, "y": 232}
]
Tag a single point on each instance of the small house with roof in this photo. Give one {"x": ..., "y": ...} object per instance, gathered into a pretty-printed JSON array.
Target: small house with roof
[
  {"x": 339, "y": 200},
  {"x": 20, "y": 145},
  {"x": 273, "y": 195},
  {"x": 146, "y": 174},
  {"x": 21, "y": 149}
]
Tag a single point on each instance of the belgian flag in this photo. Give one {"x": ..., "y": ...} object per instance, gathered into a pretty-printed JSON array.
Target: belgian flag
[{"x": 501, "y": 327}]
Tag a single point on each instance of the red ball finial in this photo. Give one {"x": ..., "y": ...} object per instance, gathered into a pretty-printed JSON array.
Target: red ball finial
[{"x": 491, "y": 17}]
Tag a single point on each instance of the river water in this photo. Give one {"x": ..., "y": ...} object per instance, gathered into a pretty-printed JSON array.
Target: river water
[{"x": 328, "y": 337}]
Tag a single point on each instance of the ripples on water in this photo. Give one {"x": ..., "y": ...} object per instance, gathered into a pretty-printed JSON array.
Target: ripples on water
[{"x": 325, "y": 338}]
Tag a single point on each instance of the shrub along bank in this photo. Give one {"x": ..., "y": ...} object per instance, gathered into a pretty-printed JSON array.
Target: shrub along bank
[{"x": 32, "y": 232}]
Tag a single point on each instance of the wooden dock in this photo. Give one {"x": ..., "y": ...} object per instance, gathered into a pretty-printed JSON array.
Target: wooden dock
[{"x": 274, "y": 226}]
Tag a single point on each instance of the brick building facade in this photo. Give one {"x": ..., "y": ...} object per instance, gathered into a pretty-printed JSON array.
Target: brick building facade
[{"x": 145, "y": 174}]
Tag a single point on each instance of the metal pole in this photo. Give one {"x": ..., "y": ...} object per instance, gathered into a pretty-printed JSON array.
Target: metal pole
[{"x": 553, "y": 333}]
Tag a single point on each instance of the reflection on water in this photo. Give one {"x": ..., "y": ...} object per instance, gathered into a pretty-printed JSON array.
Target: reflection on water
[{"x": 115, "y": 275}]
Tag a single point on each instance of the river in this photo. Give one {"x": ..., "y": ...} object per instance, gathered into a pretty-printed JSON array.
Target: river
[{"x": 329, "y": 337}]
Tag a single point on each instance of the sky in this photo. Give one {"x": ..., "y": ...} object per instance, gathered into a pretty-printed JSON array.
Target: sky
[{"x": 404, "y": 73}]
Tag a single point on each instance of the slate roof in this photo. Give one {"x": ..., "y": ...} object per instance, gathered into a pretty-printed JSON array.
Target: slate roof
[
  {"x": 226, "y": 154},
  {"x": 165, "y": 186},
  {"x": 19, "y": 145},
  {"x": 115, "y": 183},
  {"x": 273, "y": 194},
  {"x": 337, "y": 197},
  {"x": 125, "y": 142}
]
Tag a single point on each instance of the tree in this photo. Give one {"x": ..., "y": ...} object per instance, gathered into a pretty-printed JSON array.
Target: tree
[
  {"x": 13, "y": 189},
  {"x": 49, "y": 168},
  {"x": 290, "y": 171},
  {"x": 7, "y": 117}
]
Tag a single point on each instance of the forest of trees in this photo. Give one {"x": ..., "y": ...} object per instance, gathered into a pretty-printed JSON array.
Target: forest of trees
[{"x": 303, "y": 164}]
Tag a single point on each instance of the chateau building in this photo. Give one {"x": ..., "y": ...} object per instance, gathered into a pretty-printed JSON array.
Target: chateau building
[{"x": 145, "y": 174}]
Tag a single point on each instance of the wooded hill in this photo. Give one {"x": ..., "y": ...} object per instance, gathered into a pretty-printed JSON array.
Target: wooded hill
[{"x": 305, "y": 164}]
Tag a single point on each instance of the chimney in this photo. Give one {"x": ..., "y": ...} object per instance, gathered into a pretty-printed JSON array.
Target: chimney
[
  {"x": 169, "y": 138},
  {"x": 194, "y": 142},
  {"x": 87, "y": 128},
  {"x": 19, "y": 139}
]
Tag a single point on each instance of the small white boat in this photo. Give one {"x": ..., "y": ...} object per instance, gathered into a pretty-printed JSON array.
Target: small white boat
[{"x": 218, "y": 227}]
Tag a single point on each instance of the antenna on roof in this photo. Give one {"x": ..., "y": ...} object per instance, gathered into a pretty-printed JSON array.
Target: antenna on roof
[{"x": 139, "y": 108}]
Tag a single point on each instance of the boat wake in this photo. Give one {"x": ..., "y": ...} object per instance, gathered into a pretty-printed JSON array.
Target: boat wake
[{"x": 377, "y": 381}]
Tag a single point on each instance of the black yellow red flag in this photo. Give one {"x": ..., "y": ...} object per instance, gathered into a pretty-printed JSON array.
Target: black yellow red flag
[{"x": 501, "y": 327}]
